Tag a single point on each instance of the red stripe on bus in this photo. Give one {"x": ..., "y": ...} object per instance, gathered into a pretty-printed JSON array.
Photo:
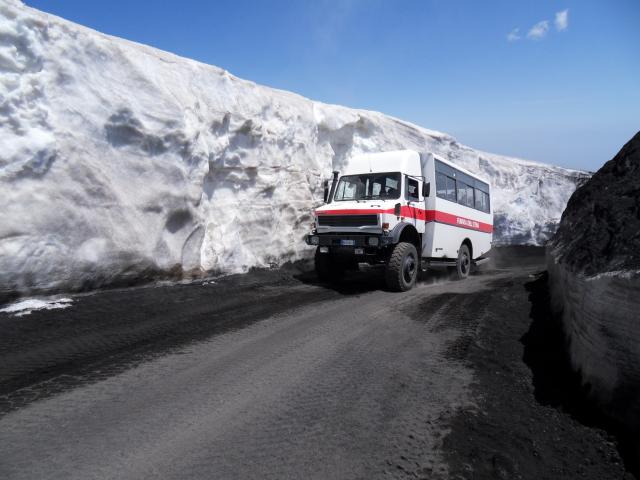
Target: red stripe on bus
[
  {"x": 462, "y": 222},
  {"x": 353, "y": 212},
  {"x": 419, "y": 214}
]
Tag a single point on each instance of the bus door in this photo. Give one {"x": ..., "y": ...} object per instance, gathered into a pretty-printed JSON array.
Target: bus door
[{"x": 415, "y": 207}]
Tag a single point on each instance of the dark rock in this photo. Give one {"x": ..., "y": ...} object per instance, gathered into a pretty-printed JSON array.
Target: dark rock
[
  {"x": 594, "y": 280},
  {"x": 600, "y": 228}
]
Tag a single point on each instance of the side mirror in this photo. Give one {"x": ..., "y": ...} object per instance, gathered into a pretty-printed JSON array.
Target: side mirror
[
  {"x": 426, "y": 189},
  {"x": 396, "y": 209},
  {"x": 326, "y": 190}
]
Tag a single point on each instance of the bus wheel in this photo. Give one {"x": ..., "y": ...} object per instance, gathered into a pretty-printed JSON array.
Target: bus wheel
[
  {"x": 402, "y": 268},
  {"x": 327, "y": 269},
  {"x": 463, "y": 263}
]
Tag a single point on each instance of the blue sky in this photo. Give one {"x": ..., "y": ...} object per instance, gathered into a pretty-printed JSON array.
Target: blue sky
[{"x": 567, "y": 94}]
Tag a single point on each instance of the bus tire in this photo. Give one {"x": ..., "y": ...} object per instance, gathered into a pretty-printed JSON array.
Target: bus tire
[
  {"x": 402, "y": 268},
  {"x": 463, "y": 263},
  {"x": 326, "y": 268}
]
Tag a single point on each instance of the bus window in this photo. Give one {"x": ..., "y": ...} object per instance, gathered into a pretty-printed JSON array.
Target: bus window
[
  {"x": 451, "y": 189},
  {"x": 366, "y": 186},
  {"x": 462, "y": 193},
  {"x": 482, "y": 201},
  {"x": 469, "y": 196},
  {"x": 441, "y": 185},
  {"x": 412, "y": 190}
]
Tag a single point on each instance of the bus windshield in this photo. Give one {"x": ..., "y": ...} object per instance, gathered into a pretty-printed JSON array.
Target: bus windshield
[{"x": 368, "y": 186}]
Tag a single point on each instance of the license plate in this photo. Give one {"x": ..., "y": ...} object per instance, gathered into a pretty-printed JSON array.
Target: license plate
[
  {"x": 359, "y": 251},
  {"x": 347, "y": 243}
]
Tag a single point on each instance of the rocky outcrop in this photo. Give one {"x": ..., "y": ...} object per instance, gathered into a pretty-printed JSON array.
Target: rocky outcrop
[{"x": 594, "y": 272}]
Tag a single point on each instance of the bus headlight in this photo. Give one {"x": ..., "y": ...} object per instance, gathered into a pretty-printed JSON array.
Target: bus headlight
[
  {"x": 314, "y": 240},
  {"x": 373, "y": 241}
]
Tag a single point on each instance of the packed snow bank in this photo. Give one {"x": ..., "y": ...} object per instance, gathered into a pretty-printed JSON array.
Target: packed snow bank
[
  {"x": 26, "y": 306},
  {"x": 594, "y": 272},
  {"x": 121, "y": 161}
]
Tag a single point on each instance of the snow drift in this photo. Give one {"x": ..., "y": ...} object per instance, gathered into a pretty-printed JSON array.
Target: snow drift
[
  {"x": 119, "y": 161},
  {"x": 594, "y": 273}
]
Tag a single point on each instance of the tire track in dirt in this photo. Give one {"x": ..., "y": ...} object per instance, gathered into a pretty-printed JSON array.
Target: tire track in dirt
[
  {"x": 55, "y": 360},
  {"x": 351, "y": 388},
  {"x": 354, "y": 382}
]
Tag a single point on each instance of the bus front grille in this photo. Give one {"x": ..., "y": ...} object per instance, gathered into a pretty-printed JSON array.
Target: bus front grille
[{"x": 347, "y": 220}]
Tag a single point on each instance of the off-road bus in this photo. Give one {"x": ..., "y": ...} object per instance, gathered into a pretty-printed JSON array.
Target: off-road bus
[{"x": 406, "y": 210}]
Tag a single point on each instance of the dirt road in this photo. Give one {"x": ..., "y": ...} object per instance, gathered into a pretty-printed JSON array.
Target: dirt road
[{"x": 272, "y": 375}]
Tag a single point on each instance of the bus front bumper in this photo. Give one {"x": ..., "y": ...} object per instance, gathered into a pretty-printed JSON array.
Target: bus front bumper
[{"x": 345, "y": 243}]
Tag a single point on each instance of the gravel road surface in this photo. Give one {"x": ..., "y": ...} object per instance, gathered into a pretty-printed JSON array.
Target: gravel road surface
[{"x": 273, "y": 375}]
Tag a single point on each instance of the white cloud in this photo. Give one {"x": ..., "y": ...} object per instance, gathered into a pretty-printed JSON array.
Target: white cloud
[
  {"x": 514, "y": 35},
  {"x": 562, "y": 20},
  {"x": 539, "y": 30}
]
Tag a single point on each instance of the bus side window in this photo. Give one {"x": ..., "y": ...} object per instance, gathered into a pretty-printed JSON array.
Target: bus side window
[
  {"x": 451, "y": 189},
  {"x": 479, "y": 199},
  {"x": 482, "y": 201},
  {"x": 412, "y": 190},
  {"x": 441, "y": 185},
  {"x": 469, "y": 196},
  {"x": 462, "y": 193}
]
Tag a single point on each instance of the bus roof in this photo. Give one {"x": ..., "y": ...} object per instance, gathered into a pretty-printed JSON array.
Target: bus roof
[{"x": 407, "y": 161}]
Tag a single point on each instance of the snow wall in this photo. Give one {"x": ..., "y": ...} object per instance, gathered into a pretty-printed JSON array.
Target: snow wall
[
  {"x": 594, "y": 274},
  {"x": 120, "y": 161}
]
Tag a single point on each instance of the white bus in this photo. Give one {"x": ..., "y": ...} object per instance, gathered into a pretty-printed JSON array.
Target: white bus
[{"x": 405, "y": 210}]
